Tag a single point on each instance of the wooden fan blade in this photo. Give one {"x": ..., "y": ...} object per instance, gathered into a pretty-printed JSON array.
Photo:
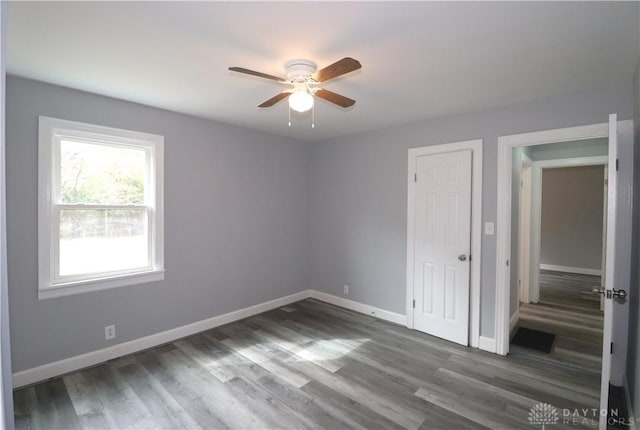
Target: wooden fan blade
[
  {"x": 335, "y": 98},
  {"x": 258, "y": 74},
  {"x": 336, "y": 69},
  {"x": 275, "y": 99}
]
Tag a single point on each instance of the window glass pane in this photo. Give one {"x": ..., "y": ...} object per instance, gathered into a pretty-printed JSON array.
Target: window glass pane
[
  {"x": 101, "y": 174},
  {"x": 102, "y": 240}
]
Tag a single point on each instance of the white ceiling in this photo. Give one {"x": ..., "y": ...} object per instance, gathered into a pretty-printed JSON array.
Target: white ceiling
[{"x": 419, "y": 60}]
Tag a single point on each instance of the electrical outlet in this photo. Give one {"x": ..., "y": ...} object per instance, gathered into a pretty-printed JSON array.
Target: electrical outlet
[
  {"x": 346, "y": 290},
  {"x": 109, "y": 332}
]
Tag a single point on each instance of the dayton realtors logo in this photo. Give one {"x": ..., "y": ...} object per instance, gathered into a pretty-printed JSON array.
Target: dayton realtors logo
[{"x": 543, "y": 414}]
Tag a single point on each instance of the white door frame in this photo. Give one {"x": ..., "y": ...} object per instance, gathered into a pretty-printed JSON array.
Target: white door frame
[
  {"x": 503, "y": 221},
  {"x": 605, "y": 200},
  {"x": 524, "y": 236},
  {"x": 476, "y": 218}
]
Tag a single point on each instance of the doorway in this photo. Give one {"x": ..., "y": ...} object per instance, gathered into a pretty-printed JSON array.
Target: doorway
[
  {"x": 575, "y": 210},
  {"x": 570, "y": 222},
  {"x": 617, "y": 244}
]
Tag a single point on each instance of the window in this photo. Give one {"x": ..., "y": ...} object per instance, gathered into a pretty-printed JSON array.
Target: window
[{"x": 100, "y": 208}]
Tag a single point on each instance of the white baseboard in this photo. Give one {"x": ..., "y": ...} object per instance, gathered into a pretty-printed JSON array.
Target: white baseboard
[
  {"x": 57, "y": 368},
  {"x": 568, "y": 269},
  {"x": 360, "y": 307},
  {"x": 71, "y": 364},
  {"x": 487, "y": 344},
  {"x": 513, "y": 321}
]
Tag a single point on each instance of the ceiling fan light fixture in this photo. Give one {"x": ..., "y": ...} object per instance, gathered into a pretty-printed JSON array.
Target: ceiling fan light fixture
[
  {"x": 305, "y": 78},
  {"x": 299, "y": 70},
  {"x": 300, "y": 100}
]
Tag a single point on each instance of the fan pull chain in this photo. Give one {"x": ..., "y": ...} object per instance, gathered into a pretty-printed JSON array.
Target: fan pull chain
[
  {"x": 289, "y": 116},
  {"x": 313, "y": 116}
]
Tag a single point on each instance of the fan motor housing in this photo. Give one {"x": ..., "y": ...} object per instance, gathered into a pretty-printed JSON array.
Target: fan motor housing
[{"x": 300, "y": 69}]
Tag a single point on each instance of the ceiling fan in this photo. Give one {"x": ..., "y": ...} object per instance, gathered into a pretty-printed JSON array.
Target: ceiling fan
[{"x": 304, "y": 78}]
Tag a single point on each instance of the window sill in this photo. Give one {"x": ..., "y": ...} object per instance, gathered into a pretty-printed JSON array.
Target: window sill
[{"x": 87, "y": 286}]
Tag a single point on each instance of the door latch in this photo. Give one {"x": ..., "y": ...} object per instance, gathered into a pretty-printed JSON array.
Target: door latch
[{"x": 610, "y": 294}]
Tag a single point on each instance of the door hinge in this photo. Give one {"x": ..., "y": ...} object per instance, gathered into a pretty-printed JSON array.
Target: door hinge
[
  {"x": 519, "y": 281},
  {"x": 617, "y": 164},
  {"x": 414, "y": 304},
  {"x": 507, "y": 262},
  {"x": 469, "y": 257},
  {"x": 611, "y": 348},
  {"x": 415, "y": 177}
]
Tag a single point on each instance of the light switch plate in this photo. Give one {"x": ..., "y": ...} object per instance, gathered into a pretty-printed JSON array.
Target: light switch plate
[{"x": 489, "y": 228}]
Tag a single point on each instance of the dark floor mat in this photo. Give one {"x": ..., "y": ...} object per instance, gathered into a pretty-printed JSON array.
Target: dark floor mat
[
  {"x": 618, "y": 413},
  {"x": 534, "y": 339}
]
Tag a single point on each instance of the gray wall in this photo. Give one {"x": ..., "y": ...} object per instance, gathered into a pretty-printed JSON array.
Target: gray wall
[
  {"x": 7, "y": 419},
  {"x": 236, "y": 225},
  {"x": 633, "y": 351},
  {"x": 571, "y": 217},
  {"x": 278, "y": 216},
  {"x": 359, "y": 193}
]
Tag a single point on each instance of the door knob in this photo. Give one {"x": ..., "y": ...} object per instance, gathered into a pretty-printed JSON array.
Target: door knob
[
  {"x": 462, "y": 257},
  {"x": 620, "y": 294},
  {"x": 598, "y": 290}
]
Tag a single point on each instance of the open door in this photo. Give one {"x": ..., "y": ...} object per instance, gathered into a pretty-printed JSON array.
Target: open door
[{"x": 609, "y": 291}]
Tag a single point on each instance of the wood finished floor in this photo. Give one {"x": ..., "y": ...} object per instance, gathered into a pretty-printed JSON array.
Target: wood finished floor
[
  {"x": 569, "y": 290},
  {"x": 309, "y": 365},
  {"x": 568, "y": 309}
]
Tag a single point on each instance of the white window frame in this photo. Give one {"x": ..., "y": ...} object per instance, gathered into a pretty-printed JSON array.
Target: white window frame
[{"x": 51, "y": 132}]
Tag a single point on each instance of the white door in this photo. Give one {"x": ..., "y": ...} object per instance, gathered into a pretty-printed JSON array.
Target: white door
[
  {"x": 609, "y": 291},
  {"x": 442, "y": 244}
]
